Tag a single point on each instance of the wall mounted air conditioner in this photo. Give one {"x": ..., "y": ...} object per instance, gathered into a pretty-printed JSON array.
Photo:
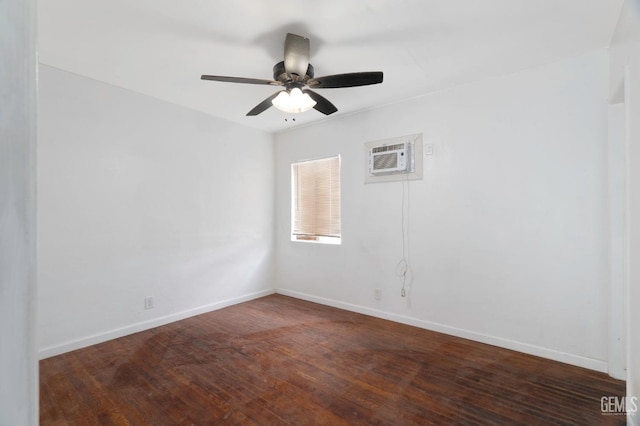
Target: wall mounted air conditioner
[{"x": 392, "y": 158}]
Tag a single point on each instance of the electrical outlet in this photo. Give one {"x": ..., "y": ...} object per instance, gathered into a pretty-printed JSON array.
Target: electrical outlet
[
  {"x": 148, "y": 302},
  {"x": 378, "y": 294}
]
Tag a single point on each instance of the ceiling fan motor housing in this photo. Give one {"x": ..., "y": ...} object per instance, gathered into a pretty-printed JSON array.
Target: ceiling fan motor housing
[{"x": 280, "y": 74}]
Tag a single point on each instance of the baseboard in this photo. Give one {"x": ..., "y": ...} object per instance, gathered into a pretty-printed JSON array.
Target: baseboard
[
  {"x": 145, "y": 325},
  {"x": 577, "y": 360}
]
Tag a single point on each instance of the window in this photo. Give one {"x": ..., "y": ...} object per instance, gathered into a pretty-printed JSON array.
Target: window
[{"x": 315, "y": 201}]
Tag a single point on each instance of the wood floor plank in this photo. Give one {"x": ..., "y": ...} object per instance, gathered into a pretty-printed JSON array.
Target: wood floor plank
[{"x": 282, "y": 361}]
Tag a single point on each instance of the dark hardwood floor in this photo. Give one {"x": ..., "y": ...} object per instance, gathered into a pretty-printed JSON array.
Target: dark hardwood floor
[{"x": 282, "y": 361}]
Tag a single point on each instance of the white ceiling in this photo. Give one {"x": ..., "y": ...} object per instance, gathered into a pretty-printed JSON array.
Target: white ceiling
[{"x": 161, "y": 47}]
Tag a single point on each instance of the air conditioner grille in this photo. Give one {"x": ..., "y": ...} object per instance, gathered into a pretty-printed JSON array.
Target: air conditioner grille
[
  {"x": 388, "y": 148},
  {"x": 385, "y": 161}
]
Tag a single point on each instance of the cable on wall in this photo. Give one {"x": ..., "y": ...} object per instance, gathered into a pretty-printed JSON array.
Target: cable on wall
[{"x": 403, "y": 268}]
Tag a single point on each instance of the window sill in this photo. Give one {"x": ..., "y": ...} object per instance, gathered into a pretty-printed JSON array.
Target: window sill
[{"x": 335, "y": 241}]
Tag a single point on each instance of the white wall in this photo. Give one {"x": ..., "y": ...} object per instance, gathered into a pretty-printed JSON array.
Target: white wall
[
  {"x": 625, "y": 55},
  {"x": 18, "y": 361},
  {"x": 507, "y": 229},
  {"x": 138, "y": 197}
]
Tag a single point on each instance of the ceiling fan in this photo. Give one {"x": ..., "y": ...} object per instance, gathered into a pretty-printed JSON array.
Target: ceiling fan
[{"x": 295, "y": 74}]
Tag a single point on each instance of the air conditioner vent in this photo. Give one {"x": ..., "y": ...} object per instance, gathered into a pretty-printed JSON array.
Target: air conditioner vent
[
  {"x": 385, "y": 161},
  {"x": 386, "y": 148}
]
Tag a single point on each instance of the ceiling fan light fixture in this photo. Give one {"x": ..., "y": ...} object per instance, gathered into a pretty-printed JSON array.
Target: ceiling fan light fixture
[{"x": 293, "y": 101}]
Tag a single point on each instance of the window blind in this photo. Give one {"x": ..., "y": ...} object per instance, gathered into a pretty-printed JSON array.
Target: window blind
[{"x": 316, "y": 198}]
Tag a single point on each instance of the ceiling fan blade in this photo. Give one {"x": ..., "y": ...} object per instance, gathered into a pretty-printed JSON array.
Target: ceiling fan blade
[
  {"x": 296, "y": 55},
  {"x": 346, "y": 80},
  {"x": 263, "y": 106},
  {"x": 323, "y": 105},
  {"x": 240, "y": 80}
]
